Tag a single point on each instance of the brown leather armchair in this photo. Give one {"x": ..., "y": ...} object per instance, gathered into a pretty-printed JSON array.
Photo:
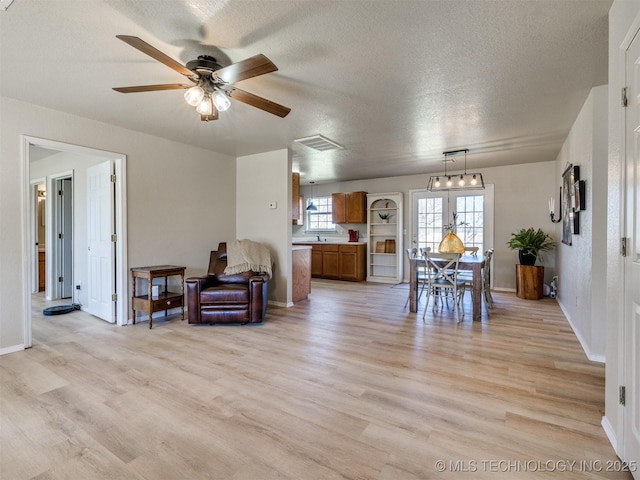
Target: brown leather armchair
[{"x": 221, "y": 298}]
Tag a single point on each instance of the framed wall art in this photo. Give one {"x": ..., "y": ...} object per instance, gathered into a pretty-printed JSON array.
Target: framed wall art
[{"x": 572, "y": 194}]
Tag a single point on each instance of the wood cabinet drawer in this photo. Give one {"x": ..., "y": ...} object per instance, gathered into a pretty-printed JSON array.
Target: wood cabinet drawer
[{"x": 172, "y": 300}]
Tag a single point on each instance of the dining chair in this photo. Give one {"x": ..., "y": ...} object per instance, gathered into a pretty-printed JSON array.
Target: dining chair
[
  {"x": 467, "y": 275},
  {"x": 486, "y": 279},
  {"x": 412, "y": 253},
  {"x": 442, "y": 278},
  {"x": 471, "y": 250}
]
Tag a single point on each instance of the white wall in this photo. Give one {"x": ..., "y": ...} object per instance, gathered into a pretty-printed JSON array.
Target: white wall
[
  {"x": 521, "y": 200},
  {"x": 624, "y": 15},
  {"x": 581, "y": 268},
  {"x": 181, "y": 199},
  {"x": 262, "y": 179}
]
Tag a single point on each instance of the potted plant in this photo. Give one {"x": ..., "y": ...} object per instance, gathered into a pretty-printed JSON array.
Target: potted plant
[
  {"x": 384, "y": 216},
  {"x": 530, "y": 244}
]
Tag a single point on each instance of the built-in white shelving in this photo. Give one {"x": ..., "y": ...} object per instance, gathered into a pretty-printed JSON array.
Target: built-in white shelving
[{"x": 384, "y": 237}]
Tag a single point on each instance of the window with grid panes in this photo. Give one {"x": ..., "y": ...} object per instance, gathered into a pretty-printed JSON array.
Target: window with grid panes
[
  {"x": 470, "y": 211},
  {"x": 430, "y": 222},
  {"x": 320, "y": 220}
]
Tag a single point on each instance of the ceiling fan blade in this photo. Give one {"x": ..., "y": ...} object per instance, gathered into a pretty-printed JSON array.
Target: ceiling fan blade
[
  {"x": 151, "y": 88},
  {"x": 251, "y": 67},
  {"x": 259, "y": 102},
  {"x": 154, "y": 53}
]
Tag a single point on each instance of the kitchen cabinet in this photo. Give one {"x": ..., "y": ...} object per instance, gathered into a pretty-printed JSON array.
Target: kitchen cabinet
[
  {"x": 41, "y": 271},
  {"x": 331, "y": 261},
  {"x": 350, "y": 207},
  {"x": 384, "y": 232},
  {"x": 301, "y": 272},
  {"x": 339, "y": 261},
  {"x": 352, "y": 264},
  {"x": 316, "y": 261},
  {"x": 296, "y": 211}
]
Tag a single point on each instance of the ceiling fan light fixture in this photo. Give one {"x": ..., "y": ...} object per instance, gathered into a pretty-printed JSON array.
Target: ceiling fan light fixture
[
  {"x": 221, "y": 100},
  {"x": 208, "y": 77},
  {"x": 194, "y": 95},
  {"x": 205, "y": 107}
]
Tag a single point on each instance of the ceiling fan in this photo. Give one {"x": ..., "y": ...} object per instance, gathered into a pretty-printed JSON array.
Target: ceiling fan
[{"x": 212, "y": 84}]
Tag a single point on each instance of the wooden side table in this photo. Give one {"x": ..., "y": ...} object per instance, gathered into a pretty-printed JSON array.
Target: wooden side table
[
  {"x": 165, "y": 300},
  {"x": 529, "y": 281}
]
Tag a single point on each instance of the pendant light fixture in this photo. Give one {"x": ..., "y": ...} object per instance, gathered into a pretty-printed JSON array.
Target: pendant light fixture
[
  {"x": 462, "y": 181},
  {"x": 311, "y": 206}
]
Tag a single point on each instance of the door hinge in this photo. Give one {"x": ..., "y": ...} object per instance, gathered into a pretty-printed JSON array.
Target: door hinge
[
  {"x": 60, "y": 192},
  {"x": 114, "y": 297},
  {"x": 623, "y": 97},
  {"x": 114, "y": 237},
  {"x": 113, "y": 179},
  {"x": 622, "y": 397},
  {"x": 623, "y": 246},
  {"x": 60, "y": 279},
  {"x": 61, "y": 235}
]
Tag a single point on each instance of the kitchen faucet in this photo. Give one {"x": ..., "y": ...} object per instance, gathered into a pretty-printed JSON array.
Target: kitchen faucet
[{"x": 319, "y": 238}]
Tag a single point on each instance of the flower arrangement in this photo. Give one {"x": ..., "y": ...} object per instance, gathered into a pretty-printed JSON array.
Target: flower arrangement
[{"x": 451, "y": 227}]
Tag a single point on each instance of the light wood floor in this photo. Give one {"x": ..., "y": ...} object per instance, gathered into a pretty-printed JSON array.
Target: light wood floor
[{"x": 346, "y": 385}]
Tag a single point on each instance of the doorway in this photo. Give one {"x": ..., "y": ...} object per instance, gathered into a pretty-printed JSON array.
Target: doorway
[{"x": 119, "y": 292}]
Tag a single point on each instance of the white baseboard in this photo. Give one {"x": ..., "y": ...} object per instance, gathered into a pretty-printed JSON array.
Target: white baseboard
[
  {"x": 506, "y": 290},
  {"x": 611, "y": 434},
  {"x": 585, "y": 347},
  {"x": 12, "y": 349},
  {"x": 280, "y": 304},
  {"x": 142, "y": 317}
]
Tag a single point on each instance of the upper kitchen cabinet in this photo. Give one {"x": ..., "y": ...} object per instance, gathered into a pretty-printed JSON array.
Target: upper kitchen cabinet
[
  {"x": 296, "y": 211},
  {"x": 350, "y": 207}
]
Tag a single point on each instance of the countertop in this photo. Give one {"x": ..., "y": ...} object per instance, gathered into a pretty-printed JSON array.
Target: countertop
[{"x": 330, "y": 242}]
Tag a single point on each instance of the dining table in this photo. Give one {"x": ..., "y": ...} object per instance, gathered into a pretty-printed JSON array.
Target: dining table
[{"x": 475, "y": 263}]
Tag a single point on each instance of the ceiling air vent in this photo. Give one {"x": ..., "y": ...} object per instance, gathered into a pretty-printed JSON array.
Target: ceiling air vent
[{"x": 318, "y": 142}]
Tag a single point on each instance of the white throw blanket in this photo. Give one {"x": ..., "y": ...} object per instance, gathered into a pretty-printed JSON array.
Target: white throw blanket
[{"x": 245, "y": 255}]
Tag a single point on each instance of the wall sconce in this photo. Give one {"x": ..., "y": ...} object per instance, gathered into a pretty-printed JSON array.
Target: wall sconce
[{"x": 552, "y": 213}]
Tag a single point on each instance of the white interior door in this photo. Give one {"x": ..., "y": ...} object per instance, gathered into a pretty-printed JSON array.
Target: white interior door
[
  {"x": 632, "y": 260},
  {"x": 101, "y": 248}
]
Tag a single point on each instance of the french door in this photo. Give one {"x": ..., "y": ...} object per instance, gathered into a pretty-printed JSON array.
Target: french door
[{"x": 432, "y": 212}]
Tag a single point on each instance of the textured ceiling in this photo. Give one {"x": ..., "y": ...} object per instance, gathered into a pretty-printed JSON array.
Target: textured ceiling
[{"x": 394, "y": 82}]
